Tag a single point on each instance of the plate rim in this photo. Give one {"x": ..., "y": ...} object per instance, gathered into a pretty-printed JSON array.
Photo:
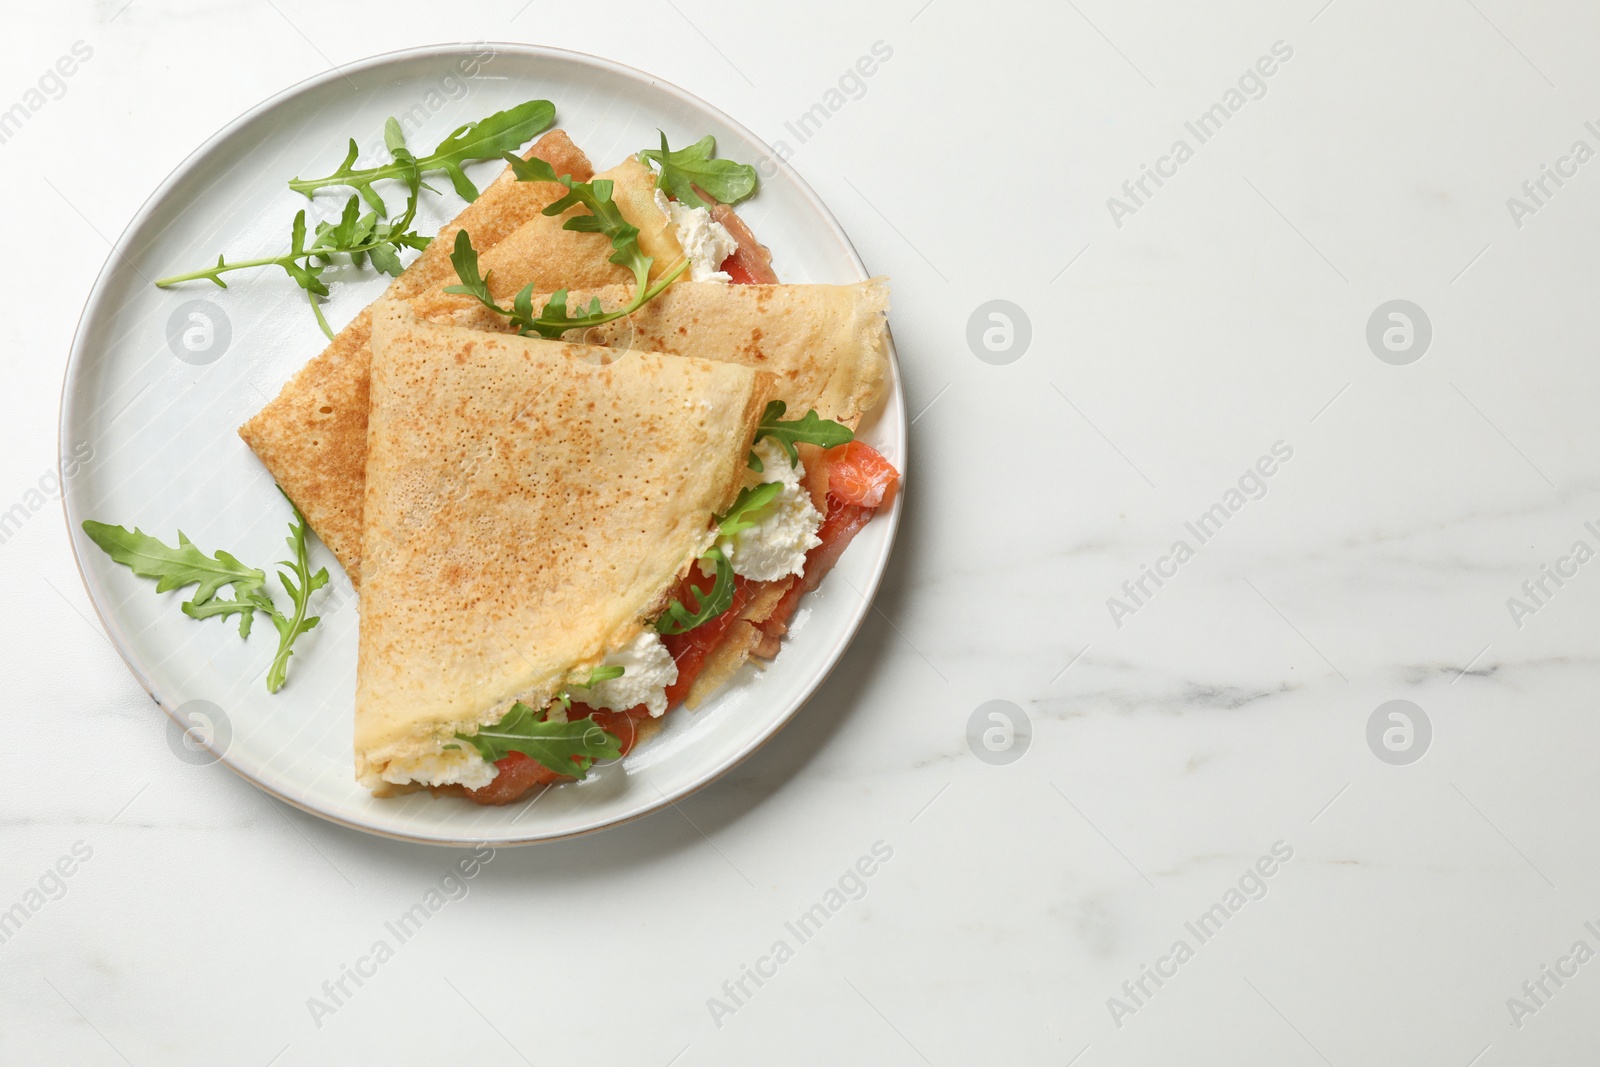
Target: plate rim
[{"x": 97, "y": 295}]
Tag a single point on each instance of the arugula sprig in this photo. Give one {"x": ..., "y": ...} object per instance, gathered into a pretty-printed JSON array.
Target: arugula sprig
[
  {"x": 810, "y": 429},
  {"x": 708, "y": 604},
  {"x": 605, "y": 218},
  {"x": 361, "y": 237},
  {"x": 299, "y": 583},
  {"x": 742, "y": 514},
  {"x": 487, "y": 138},
  {"x": 683, "y": 170},
  {"x": 568, "y": 748},
  {"x": 185, "y": 565}
]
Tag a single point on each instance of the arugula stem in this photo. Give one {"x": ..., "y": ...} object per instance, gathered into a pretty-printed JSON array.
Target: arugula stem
[
  {"x": 585, "y": 322},
  {"x": 389, "y": 171},
  {"x": 655, "y": 290},
  {"x": 316, "y": 309},
  {"x": 279, "y": 672},
  {"x": 210, "y": 273},
  {"x": 299, "y": 592}
]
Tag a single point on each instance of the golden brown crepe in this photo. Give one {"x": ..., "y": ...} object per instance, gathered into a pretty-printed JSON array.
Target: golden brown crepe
[
  {"x": 543, "y": 254},
  {"x": 527, "y": 509},
  {"x": 824, "y": 342},
  {"x": 312, "y": 437}
]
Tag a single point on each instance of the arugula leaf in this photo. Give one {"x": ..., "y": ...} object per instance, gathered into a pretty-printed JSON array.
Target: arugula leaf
[
  {"x": 502, "y": 132},
  {"x": 603, "y": 673},
  {"x": 554, "y": 318},
  {"x": 394, "y": 139},
  {"x": 300, "y": 583},
  {"x": 487, "y": 138},
  {"x": 464, "y": 258},
  {"x": 568, "y": 748},
  {"x": 185, "y": 565},
  {"x": 809, "y": 429},
  {"x": 686, "y": 168},
  {"x": 220, "y": 607},
  {"x": 604, "y": 216},
  {"x": 356, "y": 235},
  {"x": 747, "y": 506},
  {"x": 678, "y": 619}
]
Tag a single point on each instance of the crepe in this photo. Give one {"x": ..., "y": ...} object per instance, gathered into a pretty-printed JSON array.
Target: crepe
[
  {"x": 527, "y": 508},
  {"x": 312, "y": 437},
  {"x": 543, "y": 254},
  {"x": 824, "y": 342}
]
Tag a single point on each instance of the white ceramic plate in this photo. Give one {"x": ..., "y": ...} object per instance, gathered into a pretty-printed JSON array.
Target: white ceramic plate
[{"x": 148, "y": 438}]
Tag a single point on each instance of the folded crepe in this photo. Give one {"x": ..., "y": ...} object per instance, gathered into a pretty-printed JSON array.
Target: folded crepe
[
  {"x": 548, "y": 257},
  {"x": 824, "y": 342},
  {"x": 527, "y": 510},
  {"x": 312, "y": 436}
]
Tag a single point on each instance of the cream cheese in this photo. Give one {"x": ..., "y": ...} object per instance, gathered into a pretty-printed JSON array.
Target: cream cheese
[
  {"x": 648, "y": 668},
  {"x": 451, "y": 766},
  {"x": 776, "y": 546},
  {"x": 705, "y": 241}
]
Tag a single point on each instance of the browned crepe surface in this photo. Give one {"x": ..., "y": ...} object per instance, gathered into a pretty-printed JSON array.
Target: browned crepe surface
[
  {"x": 527, "y": 509},
  {"x": 312, "y": 436}
]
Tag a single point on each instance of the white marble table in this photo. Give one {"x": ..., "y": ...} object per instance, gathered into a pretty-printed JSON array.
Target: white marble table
[{"x": 1203, "y": 854}]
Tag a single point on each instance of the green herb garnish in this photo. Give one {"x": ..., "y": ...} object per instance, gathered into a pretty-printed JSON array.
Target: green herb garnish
[
  {"x": 678, "y": 619},
  {"x": 300, "y": 583},
  {"x": 603, "y": 673},
  {"x": 363, "y": 237},
  {"x": 686, "y": 168},
  {"x": 185, "y": 565},
  {"x": 504, "y": 131},
  {"x": 568, "y": 748},
  {"x": 356, "y": 235},
  {"x": 747, "y": 507},
  {"x": 809, "y": 429},
  {"x": 604, "y": 218}
]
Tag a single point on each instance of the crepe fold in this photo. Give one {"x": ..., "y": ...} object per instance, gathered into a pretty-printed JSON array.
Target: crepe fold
[
  {"x": 527, "y": 508},
  {"x": 824, "y": 342},
  {"x": 312, "y": 436},
  {"x": 543, "y": 254}
]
